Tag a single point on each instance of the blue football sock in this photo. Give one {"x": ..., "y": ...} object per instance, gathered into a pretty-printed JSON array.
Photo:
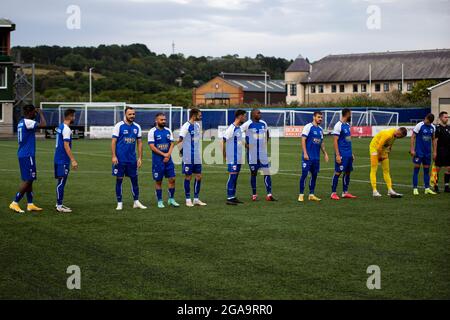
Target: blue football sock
[
  {"x": 235, "y": 183},
  {"x": 171, "y": 193},
  {"x": 187, "y": 188},
  {"x": 30, "y": 197},
  {"x": 60, "y": 190},
  {"x": 346, "y": 181},
  {"x": 197, "y": 187},
  {"x": 159, "y": 195},
  {"x": 303, "y": 181},
  {"x": 416, "y": 178},
  {"x": 135, "y": 188},
  {"x": 268, "y": 183},
  {"x": 119, "y": 183},
  {"x": 19, "y": 197},
  {"x": 231, "y": 186},
  {"x": 253, "y": 184},
  {"x": 335, "y": 183},
  {"x": 426, "y": 177},
  {"x": 312, "y": 183}
]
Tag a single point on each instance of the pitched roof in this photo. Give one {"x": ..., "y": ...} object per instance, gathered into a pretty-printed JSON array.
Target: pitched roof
[
  {"x": 439, "y": 84},
  {"x": 5, "y": 23},
  {"x": 254, "y": 82},
  {"x": 273, "y": 86},
  {"x": 299, "y": 65},
  {"x": 421, "y": 64},
  {"x": 245, "y": 76}
]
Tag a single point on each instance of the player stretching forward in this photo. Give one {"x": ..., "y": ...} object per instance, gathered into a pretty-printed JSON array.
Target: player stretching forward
[
  {"x": 26, "y": 136},
  {"x": 232, "y": 152},
  {"x": 64, "y": 158},
  {"x": 161, "y": 142},
  {"x": 380, "y": 147},
  {"x": 312, "y": 144},
  {"x": 190, "y": 147},
  {"x": 124, "y": 163},
  {"x": 342, "y": 141},
  {"x": 423, "y": 141},
  {"x": 443, "y": 151},
  {"x": 257, "y": 138}
]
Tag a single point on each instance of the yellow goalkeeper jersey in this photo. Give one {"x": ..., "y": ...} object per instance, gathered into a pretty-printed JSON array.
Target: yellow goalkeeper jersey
[{"x": 383, "y": 141}]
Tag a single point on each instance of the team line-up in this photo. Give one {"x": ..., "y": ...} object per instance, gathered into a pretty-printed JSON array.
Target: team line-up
[{"x": 428, "y": 143}]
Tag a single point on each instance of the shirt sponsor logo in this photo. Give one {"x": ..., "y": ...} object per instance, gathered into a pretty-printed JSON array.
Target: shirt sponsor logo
[{"x": 163, "y": 146}]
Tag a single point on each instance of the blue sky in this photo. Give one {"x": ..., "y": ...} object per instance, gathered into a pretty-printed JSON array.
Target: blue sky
[{"x": 283, "y": 28}]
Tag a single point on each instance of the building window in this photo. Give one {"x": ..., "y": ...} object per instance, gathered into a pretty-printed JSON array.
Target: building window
[
  {"x": 355, "y": 88},
  {"x": 410, "y": 86},
  {"x": 377, "y": 87},
  {"x": 320, "y": 88},
  {"x": 313, "y": 89},
  {"x": 364, "y": 87},
  {"x": 386, "y": 87},
  {"x": 333, "y": 88},
  {"x": 3, "y": 77},
  {"x": 342, "y": 88},
  {"x": 400, "y": 87},
  {"x": 293, "y": 90}
]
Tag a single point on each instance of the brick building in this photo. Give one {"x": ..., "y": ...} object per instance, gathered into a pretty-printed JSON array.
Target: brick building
[{"x": 237, "y": 88}]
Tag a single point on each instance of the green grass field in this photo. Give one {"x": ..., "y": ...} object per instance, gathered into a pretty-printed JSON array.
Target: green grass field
[{"x": 283, "y": 250}]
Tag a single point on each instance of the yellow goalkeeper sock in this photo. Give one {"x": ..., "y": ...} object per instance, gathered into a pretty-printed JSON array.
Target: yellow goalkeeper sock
[
  {"x": 373, "y": 172},
  {"x": 386, "y": 173}
]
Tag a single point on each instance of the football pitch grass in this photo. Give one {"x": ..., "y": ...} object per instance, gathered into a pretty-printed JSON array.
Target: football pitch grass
[{"x": 281, "y": 250}]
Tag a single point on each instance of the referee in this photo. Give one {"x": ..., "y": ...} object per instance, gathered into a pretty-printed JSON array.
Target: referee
[{"x": 443, "y": 150}]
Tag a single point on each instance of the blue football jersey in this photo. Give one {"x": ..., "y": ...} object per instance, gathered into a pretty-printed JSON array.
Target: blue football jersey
[
  {"x": 343, "y": 131},
  {"x": 314, "y": 139},
  {"x": 192, "y": 148},
  {"x": 161, "y": 139},
  {"x": 26, "y": 137},
  {"x": 63, "y": 134},
  {"x": 233, "y": 139},
  {"x": 424, "y": 138},
  {"x": 126, "y": 135},
  {"x": 256, "y": 133}
]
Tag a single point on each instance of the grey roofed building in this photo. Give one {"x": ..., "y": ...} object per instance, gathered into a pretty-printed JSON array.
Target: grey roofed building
[
  {"x": 299, "y": 65},
  {"x": 420, "y": 64},
  {"x": 254, "y": 82}
]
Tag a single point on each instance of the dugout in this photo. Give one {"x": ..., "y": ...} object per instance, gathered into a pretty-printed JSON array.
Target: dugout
[{"x": 440, "y": 97}]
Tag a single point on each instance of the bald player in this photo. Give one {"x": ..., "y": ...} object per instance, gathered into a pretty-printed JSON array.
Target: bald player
[{"x": 380, "y": 147}]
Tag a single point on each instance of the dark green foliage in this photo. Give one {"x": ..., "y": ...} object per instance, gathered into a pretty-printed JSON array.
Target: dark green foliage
[{"x": 134, "y": 71}]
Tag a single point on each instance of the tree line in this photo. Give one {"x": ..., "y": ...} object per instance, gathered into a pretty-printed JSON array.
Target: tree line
[
  {"x": 132, "y": 73},
  {"x": 135, "y": 74}
]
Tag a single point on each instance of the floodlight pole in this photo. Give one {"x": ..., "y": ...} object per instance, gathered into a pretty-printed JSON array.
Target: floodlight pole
[
  {"x": 90, "y": 84},
  {"x": 265, "y": 88},
  {"x": 403, "y": 77}
]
